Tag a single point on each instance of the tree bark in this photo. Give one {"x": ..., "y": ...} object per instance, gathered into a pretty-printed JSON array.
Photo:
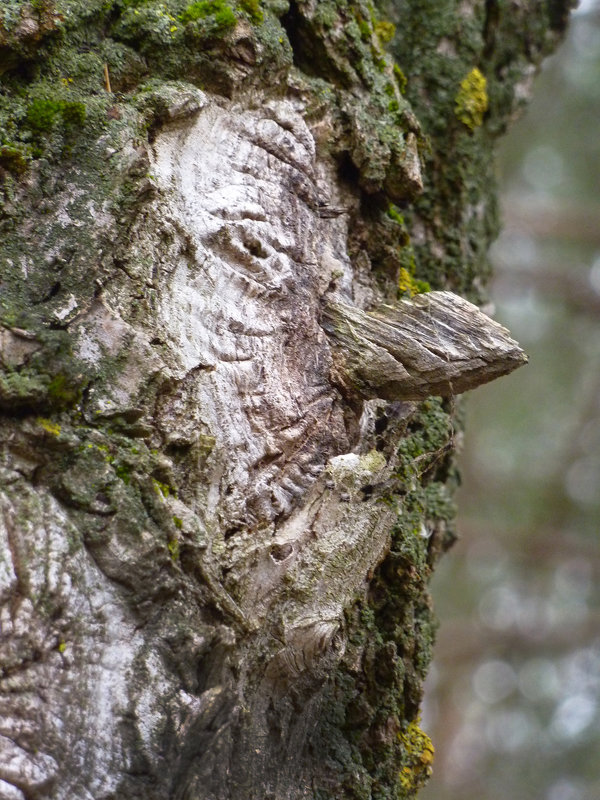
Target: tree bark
[{"x": 218, "y": 513}]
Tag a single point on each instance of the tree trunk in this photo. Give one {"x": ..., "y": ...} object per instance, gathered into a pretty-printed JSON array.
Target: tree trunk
[{"x": 225, "y": 485}]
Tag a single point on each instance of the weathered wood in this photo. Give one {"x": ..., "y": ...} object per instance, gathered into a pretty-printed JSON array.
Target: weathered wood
[{"x": 433, "y": 344}]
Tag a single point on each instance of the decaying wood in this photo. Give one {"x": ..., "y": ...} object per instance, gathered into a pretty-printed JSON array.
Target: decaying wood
[{"x": 434, "y": 344}]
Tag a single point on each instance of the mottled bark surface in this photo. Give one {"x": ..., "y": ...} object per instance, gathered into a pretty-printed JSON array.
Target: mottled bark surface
[{"x": 215, "y": 542}]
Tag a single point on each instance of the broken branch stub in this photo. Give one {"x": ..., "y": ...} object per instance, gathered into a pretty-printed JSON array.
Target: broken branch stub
[{"x": 436, "y": 343}]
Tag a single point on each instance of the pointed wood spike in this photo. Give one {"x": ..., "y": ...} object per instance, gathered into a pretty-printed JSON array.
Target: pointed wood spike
[{"x": 436, "y": 343}]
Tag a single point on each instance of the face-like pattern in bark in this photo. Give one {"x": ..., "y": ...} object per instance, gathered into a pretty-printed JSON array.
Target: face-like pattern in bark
[
  {"x": 245, "y": 234},
  {"x": 244, "y": 310},
  {"x": 221, "y": 496}
]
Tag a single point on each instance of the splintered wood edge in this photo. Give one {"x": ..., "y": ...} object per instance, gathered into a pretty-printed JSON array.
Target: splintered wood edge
[{"x": 436, "y": 343}]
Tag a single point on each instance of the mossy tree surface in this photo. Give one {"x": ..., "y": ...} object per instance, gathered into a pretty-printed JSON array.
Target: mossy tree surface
[{"x": 214, "y": 559}]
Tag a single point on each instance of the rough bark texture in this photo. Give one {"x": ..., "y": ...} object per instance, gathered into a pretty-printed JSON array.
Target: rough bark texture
[{"x": 214, "y": 551}]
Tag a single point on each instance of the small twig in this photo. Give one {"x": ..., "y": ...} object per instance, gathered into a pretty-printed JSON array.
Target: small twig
[{"x": 107, "y": 79}]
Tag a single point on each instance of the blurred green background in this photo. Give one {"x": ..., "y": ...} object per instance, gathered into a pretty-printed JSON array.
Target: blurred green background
[{"x": 513, "y": 699}]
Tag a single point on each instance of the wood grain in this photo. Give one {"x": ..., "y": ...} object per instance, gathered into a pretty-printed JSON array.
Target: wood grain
[{"x": 433, "y": 344}]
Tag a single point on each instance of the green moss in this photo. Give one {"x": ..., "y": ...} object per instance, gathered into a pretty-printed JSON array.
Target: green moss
[
  {"x": 122, "y": 471},
  {"x": 163, "y": 488},
  {"x": 14, "y": 159},
  {"x": 365, "y": 29},
  {"x": 394, "y": 214},
  {"x": 73, "y": 113},
  {"x": 178, "y": 522},
  {"x": 471, "y": 101},
  {"x": 62, "y": 392},
  {"x": 252, "y": 9},
  {"x": 420, "y": 287},
  {"x": 218, "y": 11},
  {"x": 39, "y": 120},
  {"x": 378, "y": 60},
  {"x": 124, "y": 4},
  {"x": 408, "y": 286},
  {"x": 400, "y": 78},
  {"x": 44, "y": 113}
]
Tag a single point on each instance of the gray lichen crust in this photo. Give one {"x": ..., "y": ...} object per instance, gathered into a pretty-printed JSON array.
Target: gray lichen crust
[{"x": 222, "y": 493}]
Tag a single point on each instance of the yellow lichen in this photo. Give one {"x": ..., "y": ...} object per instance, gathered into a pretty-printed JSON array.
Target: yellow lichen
[
  {"x": 385, "y": 31},
  {"x": 373, "y": 461},
  {"x": 471, "y": 101},
  {"x": 161, "y": 488},
  {"x": 173, "y": 548},
  {"x": 408, "y": 285},
  {"x": 49, "y": 426},
  {"x": 417, "y": 757},
  {"x": 405, "y": 282}
]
